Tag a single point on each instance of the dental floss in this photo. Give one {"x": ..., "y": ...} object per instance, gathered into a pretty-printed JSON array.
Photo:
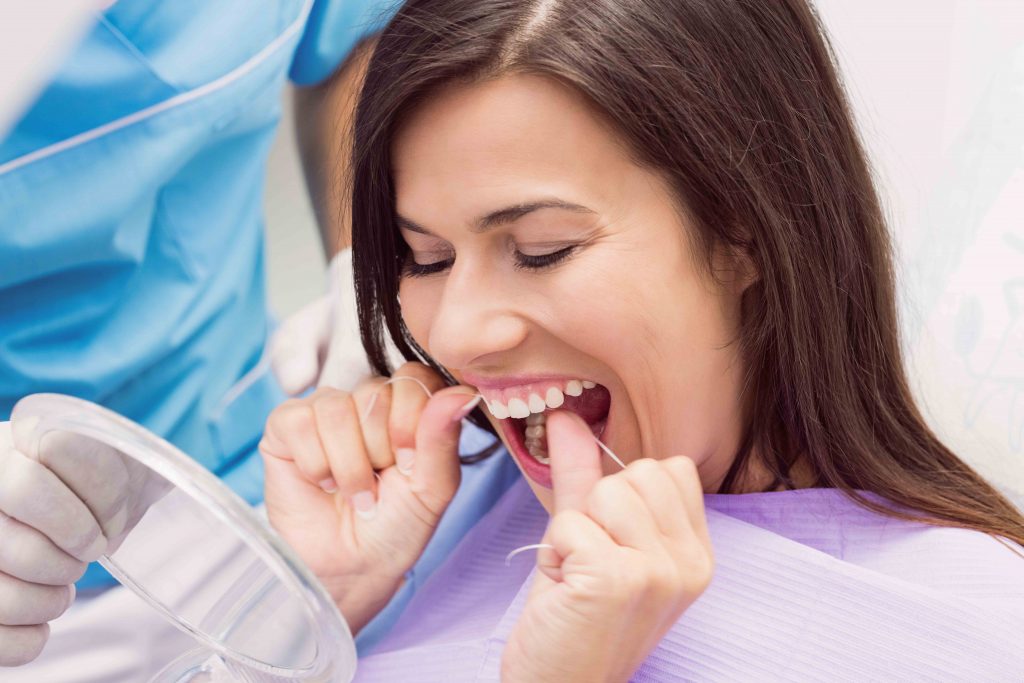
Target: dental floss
[
  {"x": 468, "y": 408},
  {"x": 373, "y": 399},
  {"x": 610, "y": 454},
  {"x": 537, "y": 546},
  {"x": 532, "y": 546},
  {"x": 477, "y": 398}
]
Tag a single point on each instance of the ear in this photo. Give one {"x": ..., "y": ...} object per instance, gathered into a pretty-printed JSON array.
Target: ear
[{"x": 734, "y": 267}]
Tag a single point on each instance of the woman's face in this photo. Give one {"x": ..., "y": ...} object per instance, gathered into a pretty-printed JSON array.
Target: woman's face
[{"x": 547, "y": 268}]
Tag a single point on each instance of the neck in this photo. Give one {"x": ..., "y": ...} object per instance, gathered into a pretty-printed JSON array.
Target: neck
[{"x": 756, "y": 478}]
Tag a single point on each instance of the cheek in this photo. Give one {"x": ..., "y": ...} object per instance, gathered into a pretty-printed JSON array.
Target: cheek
[
  {"x": 619, "y": 305},
  {"x": 647, "y": 313},
  {"x": 419, "y": 299}
]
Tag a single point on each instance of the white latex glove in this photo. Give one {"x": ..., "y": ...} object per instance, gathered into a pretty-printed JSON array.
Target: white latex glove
[
  {"x": 61, "y": 507},
  {"x": 319, "y": 345}
]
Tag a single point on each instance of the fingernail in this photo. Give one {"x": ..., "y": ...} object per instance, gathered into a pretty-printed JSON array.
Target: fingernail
[
  {"x": 117, "y": 522},
  {"x": 403, "y": 459},
  {"x": 364, "y": 504},
  {"x": 72, "y": 592},
  {"x": 97, "y": 548},
  {"x": 329, "y": 485},
  {"x": 467, "y": 409}
]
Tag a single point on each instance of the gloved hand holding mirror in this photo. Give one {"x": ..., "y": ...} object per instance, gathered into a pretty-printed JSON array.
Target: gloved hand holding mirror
[
  {"x": 65, "y": 500},
  {"x": 81, "y": 483}
]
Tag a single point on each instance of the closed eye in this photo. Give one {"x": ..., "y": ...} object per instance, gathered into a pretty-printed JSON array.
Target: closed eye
[
  {"x": 522, "y": 262},
  {"x": 541, "y": 261},
  {"x": 414, "y": 269}
]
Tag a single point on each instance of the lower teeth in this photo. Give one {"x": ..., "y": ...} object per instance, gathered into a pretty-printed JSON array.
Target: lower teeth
[
  {"x": 543, "y": 459},
  {"x": 535, "y": 441}
]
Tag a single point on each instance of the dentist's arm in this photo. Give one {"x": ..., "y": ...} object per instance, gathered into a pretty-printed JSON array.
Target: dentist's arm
[{"x": 324, "y": 118}]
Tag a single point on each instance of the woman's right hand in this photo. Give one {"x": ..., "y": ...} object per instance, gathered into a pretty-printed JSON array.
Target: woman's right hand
[{"x": 359, "y": 533}]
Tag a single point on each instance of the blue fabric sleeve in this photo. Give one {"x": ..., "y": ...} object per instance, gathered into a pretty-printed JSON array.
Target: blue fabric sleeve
[{"x": 334, "y": 28}]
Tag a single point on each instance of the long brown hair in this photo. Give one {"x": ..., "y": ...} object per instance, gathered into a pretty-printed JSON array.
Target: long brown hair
[{"x": 737, "y": 103}]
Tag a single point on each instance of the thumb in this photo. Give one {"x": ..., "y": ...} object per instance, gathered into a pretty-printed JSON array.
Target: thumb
[
  {"x": 435, "y": 469},
  {"x": 575, "y": 460},
  {"x": 298, "y": 345}
]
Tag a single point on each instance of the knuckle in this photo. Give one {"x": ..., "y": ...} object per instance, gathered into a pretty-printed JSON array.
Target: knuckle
[
  {"x": 332, "y": 407},
  {"x": 402, "y": 429},
  {"x": 9, "y": 607},
  {"x": 21, "y": 644},
  {"x": 682, "y": 466},
  {"x": 408, "y": 367},
  {"x": 354, "y": 478},
  {"x": 664, "y": 581},
  {"x": 53, "y": 444},
  {"x": 288, "y": 417},
  {"x": 698, "y": 571},
  {"x": 328, "y": 395},
  {"x": 682, "y": 463},
  {"x": 298, "y": 420},
  {"x": 320, "y": 392},
  {"x": 23, "y": 604},
  {"x": 604, "y": 493},
  {"x": 607, "y": 487},
  {"x": 373, "y": 390},
  {"x": 419, "y": 371},
  {"x": 19, "y": 485},
  {"x": 371, "y": 384},
  {"x": 643, "y": 468}
]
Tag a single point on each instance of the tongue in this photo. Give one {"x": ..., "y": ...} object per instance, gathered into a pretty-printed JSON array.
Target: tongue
[{"x": 592, "y": 405}]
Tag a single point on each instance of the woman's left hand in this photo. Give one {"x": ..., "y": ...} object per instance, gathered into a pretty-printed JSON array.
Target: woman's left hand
[{"x": 630, "y": 554}]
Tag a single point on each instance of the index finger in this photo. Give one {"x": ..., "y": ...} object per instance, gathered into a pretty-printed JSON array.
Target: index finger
[
  {"x": 575, "y": 460},
  {"x": 35, "y": 496},
  {"x": 94, "y": 471},
  {"x": 408, "y": 399},
  {"x": 683, "y": 472}
]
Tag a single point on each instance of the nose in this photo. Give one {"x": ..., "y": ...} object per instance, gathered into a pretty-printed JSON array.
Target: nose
[{"x": 476, "y": 318}]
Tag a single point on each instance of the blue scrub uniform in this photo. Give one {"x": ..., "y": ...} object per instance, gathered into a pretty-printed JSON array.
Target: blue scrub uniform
[
  {"x": 131, "y": 231},
  {"x": 131, "y": 228}
]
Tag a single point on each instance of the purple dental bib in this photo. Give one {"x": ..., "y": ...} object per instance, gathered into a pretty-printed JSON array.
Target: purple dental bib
[{"x": 808, "y": 586}]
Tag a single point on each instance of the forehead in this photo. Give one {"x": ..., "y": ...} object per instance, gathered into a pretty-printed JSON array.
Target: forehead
[{"x": 473, "y": 146}]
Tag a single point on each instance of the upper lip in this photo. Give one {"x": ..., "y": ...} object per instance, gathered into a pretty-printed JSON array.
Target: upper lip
[{"x": 505, "y": 381}]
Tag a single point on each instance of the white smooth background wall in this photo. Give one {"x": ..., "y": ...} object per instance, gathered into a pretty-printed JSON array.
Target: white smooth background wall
[{"x": 938, "y": 91}]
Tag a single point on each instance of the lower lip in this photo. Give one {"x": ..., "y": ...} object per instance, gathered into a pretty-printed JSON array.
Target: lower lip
[{"x": 533, "y": 468}]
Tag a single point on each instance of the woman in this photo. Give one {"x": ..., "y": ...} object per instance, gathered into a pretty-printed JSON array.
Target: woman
[{"x": 651, "y": 223}]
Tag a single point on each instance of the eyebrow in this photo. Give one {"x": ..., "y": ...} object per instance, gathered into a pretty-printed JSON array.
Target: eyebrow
[{"x": 504, "y": 216}]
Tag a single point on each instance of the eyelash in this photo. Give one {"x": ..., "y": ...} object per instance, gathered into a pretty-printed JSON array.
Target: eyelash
[{"x": 523, "y": 262}]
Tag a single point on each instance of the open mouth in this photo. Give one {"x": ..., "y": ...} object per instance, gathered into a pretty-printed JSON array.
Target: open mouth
[{"x": 523, "y": 420}]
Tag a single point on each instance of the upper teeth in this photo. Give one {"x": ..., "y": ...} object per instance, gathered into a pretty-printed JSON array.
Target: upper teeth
[
  {"x": 534, "y": 404},
  {"x": 554, "y": 398},
  {"x": 518, "y": 408}
]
